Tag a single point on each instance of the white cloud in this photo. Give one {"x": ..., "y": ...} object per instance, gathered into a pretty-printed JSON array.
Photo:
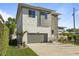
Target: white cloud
[
  {"x": 5, "y": 15},
  {"x": 61, "y": 10}
]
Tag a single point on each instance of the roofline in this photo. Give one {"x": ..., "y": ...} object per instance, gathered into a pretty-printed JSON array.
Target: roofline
[
  {"x": 56, "y": 13},
  {"x": 22, "y": 5},
  {"x": 61, "y": 27},
  {"x": 35, "y": 7}
]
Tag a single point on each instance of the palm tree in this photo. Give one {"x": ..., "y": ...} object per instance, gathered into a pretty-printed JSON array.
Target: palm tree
[
  {"x": 11, "y": 24},
  {"x": 3, "y": 37},
  {"x": 22, "y": 34},
  {"x": 1, "y": 18}
]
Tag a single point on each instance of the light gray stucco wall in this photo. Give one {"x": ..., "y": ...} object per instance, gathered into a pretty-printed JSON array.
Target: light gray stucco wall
[
  {"x": 45, "y": 22},
  {"x": 30, "y": 25},
  {"x": 19, "y": 27},
  {"x": 55, "y": 27}
]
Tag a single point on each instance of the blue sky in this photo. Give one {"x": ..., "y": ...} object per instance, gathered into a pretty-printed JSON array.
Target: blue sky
[{"x": 9, "y": 10}]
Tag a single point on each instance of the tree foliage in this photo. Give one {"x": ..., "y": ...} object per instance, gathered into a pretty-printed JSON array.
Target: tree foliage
[
  {"x": 11, "y": 24},
  {"x": 21, "y": 34},
  {"x": 4, "y": 39},
  {"x": 72, "y": 30}
]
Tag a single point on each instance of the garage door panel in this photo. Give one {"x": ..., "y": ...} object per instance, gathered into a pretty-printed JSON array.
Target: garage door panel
[{"x": 37, "y": 38}]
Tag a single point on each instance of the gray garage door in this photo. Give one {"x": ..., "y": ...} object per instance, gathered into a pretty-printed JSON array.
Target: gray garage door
[{"x": 37, "y": 38}]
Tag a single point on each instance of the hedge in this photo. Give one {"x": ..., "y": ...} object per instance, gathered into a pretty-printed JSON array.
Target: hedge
[
  {"x": 72, "y": 36},
  {"x": 4, "y": 39}
]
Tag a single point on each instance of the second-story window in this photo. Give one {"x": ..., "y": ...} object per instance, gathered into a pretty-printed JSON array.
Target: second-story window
[
  {"x": 45, "y": 15},
  {"x": 32, "y": 13}
]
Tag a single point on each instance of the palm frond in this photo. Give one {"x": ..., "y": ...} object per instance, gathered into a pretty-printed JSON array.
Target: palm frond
[{"x": 1, "y": 18}]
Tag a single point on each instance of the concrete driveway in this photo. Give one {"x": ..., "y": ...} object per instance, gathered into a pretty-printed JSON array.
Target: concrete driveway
[{"x": 54, "y": 49}]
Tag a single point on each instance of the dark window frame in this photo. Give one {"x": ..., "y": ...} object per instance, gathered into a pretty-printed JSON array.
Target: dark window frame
[
  {"x": 52, "y": 31},
  {"x": 31, "y": 13},
  {"x": 45, "y": 14}
]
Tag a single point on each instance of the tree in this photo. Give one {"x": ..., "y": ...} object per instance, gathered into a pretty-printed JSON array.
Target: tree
[
  {"x": 70, "y": 30},
  {"x": 11, "y": 24},
  {"x": 22, "y": 34},
  {"x": 1, "y": 18},
  {"x": 3, "y": 37}
]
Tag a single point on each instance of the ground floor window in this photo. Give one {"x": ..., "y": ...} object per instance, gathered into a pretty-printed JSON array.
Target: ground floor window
[{"x": 52, "y": 31}]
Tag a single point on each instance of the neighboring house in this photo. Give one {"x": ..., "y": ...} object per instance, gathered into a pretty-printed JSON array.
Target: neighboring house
[
  {"x": 61, "y": 30},
  {"x": 38, "y": 22}
]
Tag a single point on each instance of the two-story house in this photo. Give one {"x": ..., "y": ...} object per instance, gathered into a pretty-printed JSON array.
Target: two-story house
[{"x": 37, "y": 21}]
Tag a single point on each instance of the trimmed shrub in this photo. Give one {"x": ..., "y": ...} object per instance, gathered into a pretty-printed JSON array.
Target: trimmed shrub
[
  {"x": 50, "y": 41},
  {"x": 4, "y": 39},
  {"x": 70, "y": 37},
  {"x": 61, "y": 39},
  {"x": 76, "y": 37},
  {"x": 73, "y": 36}
]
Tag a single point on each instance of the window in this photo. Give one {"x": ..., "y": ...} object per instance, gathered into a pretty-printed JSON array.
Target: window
[
  {"x": 45, "y": 15},
  {"x": 32, "y": 13},
  {"x": 52, "y": 31}
]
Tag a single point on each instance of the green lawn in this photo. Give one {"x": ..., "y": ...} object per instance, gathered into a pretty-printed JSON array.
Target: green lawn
[{"x": 12, "y": 51}]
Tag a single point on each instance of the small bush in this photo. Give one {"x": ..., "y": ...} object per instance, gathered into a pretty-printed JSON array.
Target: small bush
[
  {"x": 62, "y": 40},
  {"x": 50, "y": 41},
  {"x": 70, "y": 37}
]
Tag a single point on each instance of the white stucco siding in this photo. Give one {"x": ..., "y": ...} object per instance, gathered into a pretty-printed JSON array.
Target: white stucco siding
[
  {"x": 19, "y": 27},
  {"x": 19, "y": 23},
  {"x": 46, "y": 22},
  {"x": 28, "y": 21},
  {"x": 55, "y": 26},
  {"x": 30, "y": 25}
]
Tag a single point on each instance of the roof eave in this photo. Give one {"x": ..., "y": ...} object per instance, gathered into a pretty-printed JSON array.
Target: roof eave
[
  {"x": 35, "y": 7},
  {"x": 56, "y": 13}
]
